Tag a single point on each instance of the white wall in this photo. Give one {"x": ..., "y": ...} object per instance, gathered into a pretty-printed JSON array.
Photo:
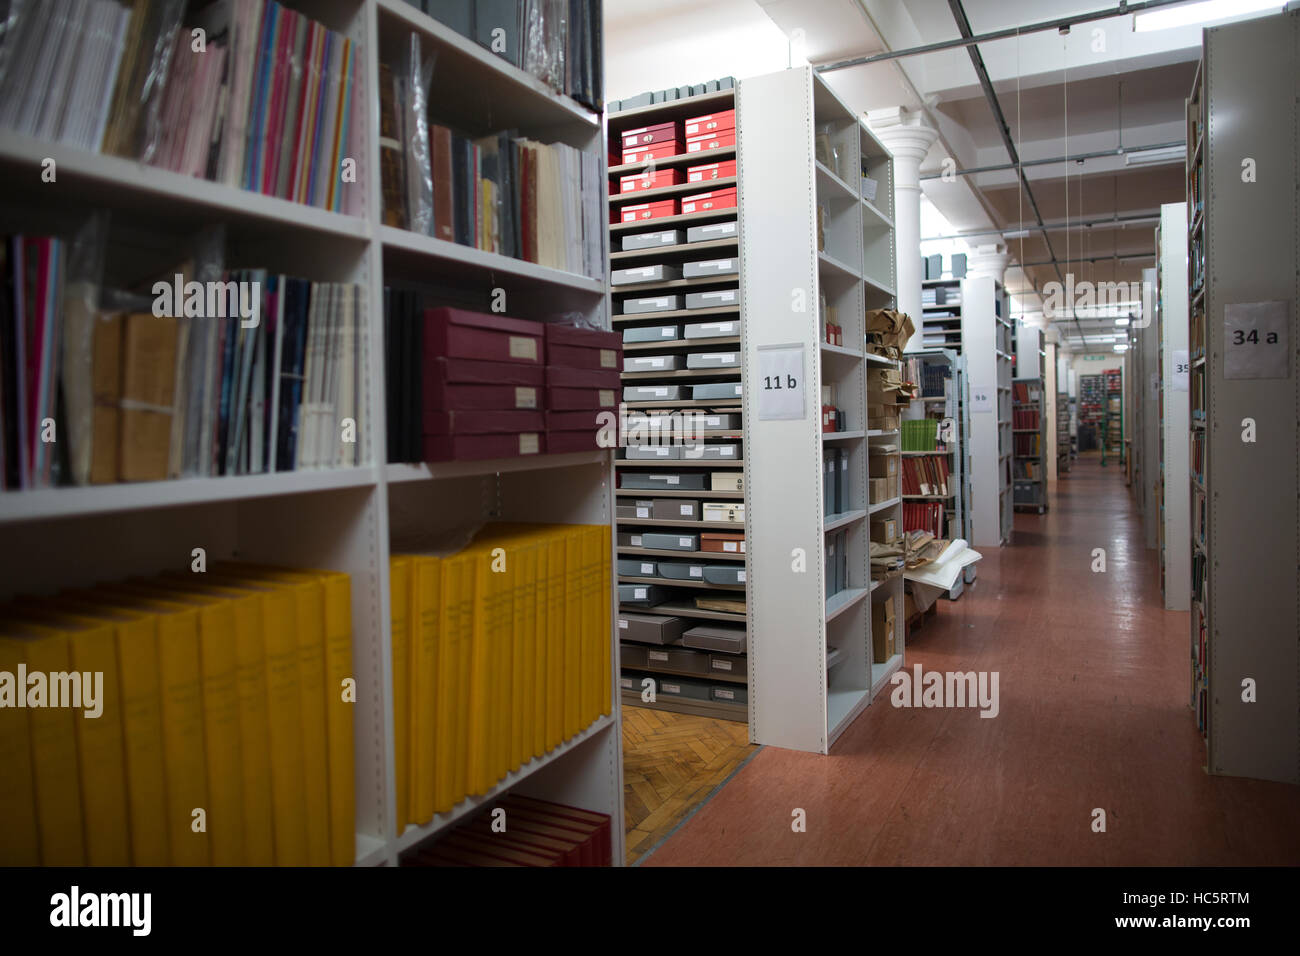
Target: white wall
[{"x": 652, "y": 46}]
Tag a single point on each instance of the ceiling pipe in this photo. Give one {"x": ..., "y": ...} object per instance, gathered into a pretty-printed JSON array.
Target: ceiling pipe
[
  {"x": 967, "y": 40},
  {"x": 1080, "y": 157},
  {"x": 1011, "y": 231}
]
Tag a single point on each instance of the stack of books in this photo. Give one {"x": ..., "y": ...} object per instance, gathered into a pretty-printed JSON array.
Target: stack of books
[
  {"x": 521, "y": 831},
  {"x": 260, "y": 97},
  {"x": 185, "y": 719},
  {"x": 250, "y": 373},
  {"x": 501, "y": 651}
]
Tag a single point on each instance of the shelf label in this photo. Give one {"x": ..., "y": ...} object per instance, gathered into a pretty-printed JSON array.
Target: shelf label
[
  {"x": 981, "y": 398},
  {"x": 1182, "y": 369},
  {"x": 1255, "y": 340},
  {"x": 781, "y": 383}
]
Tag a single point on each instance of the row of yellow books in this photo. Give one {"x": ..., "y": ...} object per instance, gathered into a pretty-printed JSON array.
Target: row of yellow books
[
  {"x": 501, "y": 651},
  {"x": 224, "y": 731}
]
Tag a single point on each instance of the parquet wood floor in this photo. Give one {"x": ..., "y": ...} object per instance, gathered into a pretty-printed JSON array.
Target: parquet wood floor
[{"x": 671, "y": 763}]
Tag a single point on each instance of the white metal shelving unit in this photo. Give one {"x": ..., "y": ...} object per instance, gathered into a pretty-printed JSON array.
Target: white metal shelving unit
[
  {"x": 939, "y": 326},
  {"x": 799, "y": 699},
  {"x": 1029, "y": 491},
  {"x": 986, "y": 343},
  {"x": 339, "y": 519},
  {"x": 1245, "y": 520},
  {"x": 1174, "y": 373}
]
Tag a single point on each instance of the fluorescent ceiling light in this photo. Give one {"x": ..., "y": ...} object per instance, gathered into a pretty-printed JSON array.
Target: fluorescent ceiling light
[
  {"x": 1203, "y": 12},
  {"x": 1120, "y": 346},
  {"x": 1121, "y": 322},
  {"x": 1019, "y": 234},
  {"x": 1149, "y": 157}
]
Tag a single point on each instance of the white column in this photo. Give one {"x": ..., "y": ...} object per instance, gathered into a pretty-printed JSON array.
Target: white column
[
  {"x": 989, "y": 260},
  {"x": 908, "y": 139}
]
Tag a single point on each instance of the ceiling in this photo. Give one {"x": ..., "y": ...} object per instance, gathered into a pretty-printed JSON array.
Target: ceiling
[{"x": 1099, "y": 87}]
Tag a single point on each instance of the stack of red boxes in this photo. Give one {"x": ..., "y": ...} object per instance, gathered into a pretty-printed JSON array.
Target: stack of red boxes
[
  {"x": 582, "y": 380},
  {"x": 483, "y": 379},
  {"x": 644, "y": 146},
  {"x": 713, "y": 131}
]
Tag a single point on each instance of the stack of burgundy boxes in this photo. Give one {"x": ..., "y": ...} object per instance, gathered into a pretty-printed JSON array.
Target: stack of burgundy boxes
[
  {"x": 536, "y": 833},
  {"x": 648, "y": 144},
  {"x": 582, "y": 380},
  {"x": 484, "y": 377},
  {"x": 497, "y": 387}
]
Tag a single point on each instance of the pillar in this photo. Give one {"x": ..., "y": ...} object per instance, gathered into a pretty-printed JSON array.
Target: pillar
[{"x": 908, "y": 138}]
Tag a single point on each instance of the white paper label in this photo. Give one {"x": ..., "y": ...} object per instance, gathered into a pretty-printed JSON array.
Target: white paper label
[
  {"x": 727, "y": 451},
  {"x": 740, "y": 576},
  {"x": 636, "y": 541},
  {"x": 522, "y": 347},
  {"x": 672, "y": 480},
  {"x": 654, "y": 362},
  {"x": 687, "y": 509},
  {"x": 1255, "y": 340},
  {"x": 667, "y": 332},
  {"x": 643, "y": 512},
  {"x": 639, "y": 594},
  {"x": 742, "y": 547},
  {"x": 685, "y": 543},
  {"x": 727, "y": 357},
  {"x": 725, "y": 694},
  {"x": 656, "y": 655},
  {"x": 981, "y": 398},
  {"x": 608, "y": 358},
  {"x": 525, "y": 397},
  {"x": 729, "y": 546},
  {"x": 781, "y": 383},
  {"x": 671, "y": 688},
  {"x": 697, "y": 572},
  {"x": 606, "y": 397},
  {"x": 622, "y": 624},
  {"x": 721, "y": 665},
  {"x": 528, "y": 444},
  {"x": 647, "y": 569},
  {"x": 1182, "y": 370},
  {"x": 660, "y": 391}
]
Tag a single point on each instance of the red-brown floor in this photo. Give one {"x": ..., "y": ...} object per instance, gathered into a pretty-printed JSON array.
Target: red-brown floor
[{"x": 1093, "y": 687}]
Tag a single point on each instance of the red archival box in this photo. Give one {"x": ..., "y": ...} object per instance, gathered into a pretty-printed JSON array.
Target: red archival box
[
  {"x": 719, "y": 122},
  {"x": 483, "y": 422},
  {"x": 707, "y": 202},
  {"x": 713, "y": 141},
  {"x": 663, "y": 150},
  {"x": 586, "y": 419},
  {"x": 559, "y": 377},
  {"x": 459, "y": 333},
  {"x": 560, "y": 399},
  {"x": 449, "y": 396},
  {"x": 648, "y": 210},
  {"x": 557, "y": 443},
  {"x": 655, "y": 180},
  {"x": 479, "y": 447},
  {"x": 632, "y": 139},
  {"x": 568, "y": 346},
  {"x": 710, "y": 171}
]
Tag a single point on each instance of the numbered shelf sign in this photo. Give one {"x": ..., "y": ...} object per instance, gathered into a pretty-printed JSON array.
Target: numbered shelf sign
[
  {"x": 780, "y": 383},
  {"x": 1255, "y": 340}
]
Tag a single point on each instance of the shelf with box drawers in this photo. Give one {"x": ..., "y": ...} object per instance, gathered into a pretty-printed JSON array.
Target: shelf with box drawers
[{"x": 675, "y": 290}]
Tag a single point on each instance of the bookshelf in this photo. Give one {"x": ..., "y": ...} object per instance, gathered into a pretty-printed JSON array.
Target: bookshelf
[
  {"x": 941, "y": 397},
  {"x": 1144, "y": 398},
  {"x": 1174, "y": 368},
  {"x": 716, "y": 679},
  {"x": 802, "y": 696},
  {"x": 1243, "y": 245},
  {"x": 343, "y": 519},
  {"x": 1029, "y": 425},
  {"x": 940, "y": 324},
  {"x": 987, "y": 344}
]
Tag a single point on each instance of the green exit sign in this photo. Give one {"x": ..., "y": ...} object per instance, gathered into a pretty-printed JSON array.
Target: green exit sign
[{"x": 1095, "y": 358}]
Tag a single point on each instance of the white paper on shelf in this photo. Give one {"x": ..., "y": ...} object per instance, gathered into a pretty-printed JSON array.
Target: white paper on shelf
[{"x": 944, "y": 570}]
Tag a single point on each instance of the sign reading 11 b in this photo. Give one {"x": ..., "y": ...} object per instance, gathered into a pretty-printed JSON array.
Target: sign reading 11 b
[{"x": 781, "y": 383}]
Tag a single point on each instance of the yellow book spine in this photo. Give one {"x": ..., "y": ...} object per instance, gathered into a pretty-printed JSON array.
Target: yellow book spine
[
  {"x": 444, "y": 697},
  {"x": 607, "y": 624},
  {"x": 339, "y": 717},
  {"x": 520, "y": 639},
  {"x": 19, "y": 842},
  {"x": 463, "y": 615},
  {"x": 501, "y": 621},
  {"x": 591, "y": 629},
  {"x": 573, "y": 631},
  {"x": 481, "y": 684},
  {"x": 283, "y": 709},
  {"x": 100, "y": 749},
  {"x": 136, "y": 638},
  {"x": 254, "y": 743},
  {"x": 311, "y": 675},
  {"x": 183, "y": 745},
  {"x": 399, "y": 571},
  {"x": 555, "y": 642},
  {"x": 54, "y": 758},
  {"x": 426, "y": 596},
  {"x": 537, "y": 669}
]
